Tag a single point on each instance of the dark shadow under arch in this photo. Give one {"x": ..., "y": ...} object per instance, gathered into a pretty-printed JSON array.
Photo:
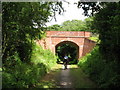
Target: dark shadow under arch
[{"x": 70, "y": 43}]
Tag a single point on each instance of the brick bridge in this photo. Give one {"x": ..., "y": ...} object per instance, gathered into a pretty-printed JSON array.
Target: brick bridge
[{"x": 79, "y": 39}]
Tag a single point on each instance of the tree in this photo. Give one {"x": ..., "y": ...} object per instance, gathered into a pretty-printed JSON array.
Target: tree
[
  {"x": 22, "y": 23},
  {"x": 19, "y": 20},
  {"x": 90, "y": 6},
  {"x": 107, "y": 23},
  {"x": 74, "y": 25},
  {"x": 55, "y": 27}
]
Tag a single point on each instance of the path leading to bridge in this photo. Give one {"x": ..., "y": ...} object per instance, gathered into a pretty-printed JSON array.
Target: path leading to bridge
[{"x": 73, "y": 77}]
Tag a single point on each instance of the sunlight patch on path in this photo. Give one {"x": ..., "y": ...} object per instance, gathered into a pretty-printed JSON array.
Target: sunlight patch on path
[
  {"x": 65, "y": 81},
  {"x": 65, "y": 78},
  {"x": 68, "y": 66}
]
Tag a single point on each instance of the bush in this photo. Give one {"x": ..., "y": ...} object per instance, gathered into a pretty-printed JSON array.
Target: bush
[
  {"x": 20, "y": 74},
  {"x": 46, "y": 57},
  {"x": 102, "y": 72},
  {"x": 23, "y": 75}
]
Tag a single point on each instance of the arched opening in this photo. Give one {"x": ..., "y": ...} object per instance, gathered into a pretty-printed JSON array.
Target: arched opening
[{"x": 68, "y": 48}]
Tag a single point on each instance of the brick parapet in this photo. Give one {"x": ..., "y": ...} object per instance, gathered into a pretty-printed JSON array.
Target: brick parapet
[{"x": 68, "y": 34}]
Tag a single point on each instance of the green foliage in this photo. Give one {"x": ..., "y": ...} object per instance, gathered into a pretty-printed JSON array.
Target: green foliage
[
  {"x": 106, "y": 23},
  {"x": 103, "y": 73},
  {"x": 25, "y": 75},
  {"x": 40, "y": 55},
  {"x": 55, "y": 27},
  {"x": 94, "y": 38},
  {"x": 86, "y": 6},
  {"x": 109, "y": 35},
  {"x": 22, "y": 23},
  {"x": 87, "y": 64},
  {"x": 74, "y": 25},
  {"x": 69, "y": 50},
  {"x": 18, "y": 28}
]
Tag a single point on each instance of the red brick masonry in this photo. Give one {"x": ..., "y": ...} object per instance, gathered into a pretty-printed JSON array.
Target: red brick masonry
[{"x": 78, "y": 38}]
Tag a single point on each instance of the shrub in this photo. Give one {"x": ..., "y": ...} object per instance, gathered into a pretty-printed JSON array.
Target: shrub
[
  {"x": 46, "y": 57},
  {"x": 20, "y": 74},
  {"x": 102, "y": 72}
]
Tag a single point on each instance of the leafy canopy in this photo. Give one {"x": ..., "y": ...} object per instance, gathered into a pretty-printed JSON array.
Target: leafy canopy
[
  {"x": 23, "y": 22},
  {"x": 74, "y": 25}
]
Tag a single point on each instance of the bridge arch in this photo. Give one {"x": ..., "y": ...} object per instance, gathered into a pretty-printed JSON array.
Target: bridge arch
[{"x": 75, "y": 45}]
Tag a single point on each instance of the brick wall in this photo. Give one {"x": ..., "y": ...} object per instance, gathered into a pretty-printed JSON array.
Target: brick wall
[
  {"x": 88, "y": 46},
  {"x": 78, "y": 38}
]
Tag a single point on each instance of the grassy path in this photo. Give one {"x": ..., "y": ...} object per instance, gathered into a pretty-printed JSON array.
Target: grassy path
[{"x": 73, "y": 77}]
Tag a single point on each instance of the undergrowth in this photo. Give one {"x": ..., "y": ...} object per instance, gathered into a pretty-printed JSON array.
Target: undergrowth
[
  {"x": 102, "y": 72},
  {"x": 20, "y": 74}
]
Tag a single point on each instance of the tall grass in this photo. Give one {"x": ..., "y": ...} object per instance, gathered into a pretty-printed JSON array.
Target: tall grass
[
  {"x": 102, "y": 72},
  {"x": 26, "y": 75}
]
